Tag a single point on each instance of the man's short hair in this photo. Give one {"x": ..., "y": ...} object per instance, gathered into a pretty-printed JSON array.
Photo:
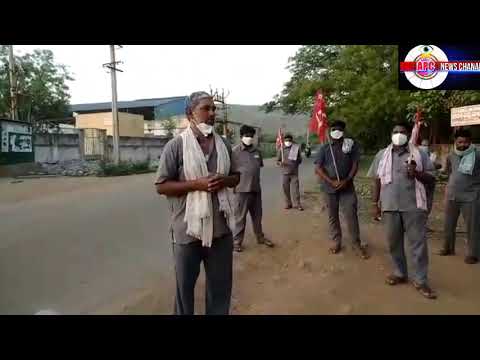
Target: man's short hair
[
  {"x": 288, "y": 136},
  {"x": 247, "y": 130},
  {"x": 404, "y": 124},
  {"x": 339, "y": 124},
  {"x": 194, "y": 99},
  {"x": 465, "y": 133}
]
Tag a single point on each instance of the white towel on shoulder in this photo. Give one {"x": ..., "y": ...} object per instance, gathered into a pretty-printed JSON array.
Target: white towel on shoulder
[
  {"x": 199, "y": 207},
  {"x": 385, "y": 173},
  {"x": 293, "y": 154}
]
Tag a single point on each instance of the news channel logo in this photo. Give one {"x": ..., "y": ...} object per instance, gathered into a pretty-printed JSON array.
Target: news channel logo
[{"x": 427, "y": 67}]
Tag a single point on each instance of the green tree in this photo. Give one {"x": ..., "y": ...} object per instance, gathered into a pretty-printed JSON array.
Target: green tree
[
  {"x": 41, "y": 84},
  {"x": 360, "y": 83},
  {"x": 170, "y": 125}
]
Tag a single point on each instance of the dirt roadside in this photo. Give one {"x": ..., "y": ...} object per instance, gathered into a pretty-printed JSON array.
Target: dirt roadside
[{"x": 300, "y": 277}]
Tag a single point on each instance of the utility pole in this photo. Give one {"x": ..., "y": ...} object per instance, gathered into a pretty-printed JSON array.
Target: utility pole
[
  {"x": 220, "y": 98},
  {"x": 112, "y": 65},
  {"x": 13, "y": 85}
]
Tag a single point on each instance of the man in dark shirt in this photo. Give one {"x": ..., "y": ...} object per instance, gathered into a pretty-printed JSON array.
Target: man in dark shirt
[
  {"x": 248, "y": 193},
  {"x": 336, "y": 166}
]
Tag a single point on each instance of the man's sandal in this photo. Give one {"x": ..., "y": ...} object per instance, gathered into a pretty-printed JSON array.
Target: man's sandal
[
  {"x": 393, "y": 280},
  {"x": 237, "y": 248},
  {"x": 445, "y": 252},
  {"x": 335, "y": 249},
  {"x": 266, "y": 242},
  {"x": 425, "y": 290},
  {"x": 362, "y": 251}
]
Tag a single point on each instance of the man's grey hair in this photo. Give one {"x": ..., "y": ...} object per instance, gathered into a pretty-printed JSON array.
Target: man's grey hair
[{"x": 194, "y": 99}]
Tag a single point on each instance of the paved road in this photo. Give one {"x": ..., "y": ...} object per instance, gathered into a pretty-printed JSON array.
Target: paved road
[{"x": 77, "y": 251}]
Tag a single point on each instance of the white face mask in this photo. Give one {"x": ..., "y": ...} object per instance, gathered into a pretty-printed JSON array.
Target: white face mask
[
  {"x": 336, "y": 134},
  {"x": 288, "y": 143},
  {"x": 247, "y": 140},
  {"x": 399, "y": 139},
  {"x": 205, "y": 129}
]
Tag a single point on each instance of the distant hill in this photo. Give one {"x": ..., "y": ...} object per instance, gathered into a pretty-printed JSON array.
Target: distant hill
[{"x": 251, "y": 115}]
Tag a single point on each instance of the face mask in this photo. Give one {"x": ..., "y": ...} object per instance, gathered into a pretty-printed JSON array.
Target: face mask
[
  {"x": 205, "y": 129},
  {"x": 288, "y": 143},
  {"x": 336, "y": 134},
  {"x": 399, "y": 139},
  {"x": 247, "y": 140},
  {"x": 424, "y": 148},
  {"x": 461, "y": 152}
]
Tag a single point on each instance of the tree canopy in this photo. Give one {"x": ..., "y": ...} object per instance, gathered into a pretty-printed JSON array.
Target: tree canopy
[
  {"x": 360, "y": 83},
  {"x": 41, "y": 86}
]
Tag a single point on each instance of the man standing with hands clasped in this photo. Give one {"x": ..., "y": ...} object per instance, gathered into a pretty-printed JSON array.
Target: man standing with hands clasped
[
  {"x": 336, "y": 166},
  {"x": 195, "y": 170},
  {"x": 400, "y": 173},
  {"x": 289, "y": 158},
  {"x": 248, "y": 193}
]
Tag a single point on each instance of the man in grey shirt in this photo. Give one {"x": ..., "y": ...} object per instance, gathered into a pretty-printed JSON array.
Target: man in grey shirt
[
  {"x": 463, "y": 196},
  {"x": 430, "y": 188},
  {"x": 290, "y": 171},
  {"x": 403, "y": 206},
  {"x": 189, "y": 251},
  {"x": 340, "y": 158},
  {"x": 248, "y": 193}
]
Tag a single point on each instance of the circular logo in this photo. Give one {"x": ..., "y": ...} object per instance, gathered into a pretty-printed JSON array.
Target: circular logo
[{"x": 426, "y": 75}]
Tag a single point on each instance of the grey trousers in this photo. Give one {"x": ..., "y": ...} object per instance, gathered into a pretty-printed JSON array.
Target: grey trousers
[
  {"x": 217, "y": 262},
  {"x": 430, "y": 192},
  {"x": 291, "y": 182},
  {"x": 347, "y": 201},
  {"x": 471, "y": 215},
  {"x": 412, "y": 225},
  {"x": 247, "y": 203}
]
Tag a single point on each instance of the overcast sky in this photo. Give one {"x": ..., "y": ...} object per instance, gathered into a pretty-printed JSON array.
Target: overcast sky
[{"x": 252, "y": 73}]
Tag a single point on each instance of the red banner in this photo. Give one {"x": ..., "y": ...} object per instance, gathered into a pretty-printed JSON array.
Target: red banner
[
  {"x": 319, "y": 121},
  {"x": 416, "y": 128},
  {"x": 279, "y": 141}
]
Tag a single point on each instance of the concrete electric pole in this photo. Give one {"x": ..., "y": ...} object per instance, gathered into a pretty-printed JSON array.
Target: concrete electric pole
[
  {"x": 112, "y": 65},
  {"x": 13, "y": 84}
]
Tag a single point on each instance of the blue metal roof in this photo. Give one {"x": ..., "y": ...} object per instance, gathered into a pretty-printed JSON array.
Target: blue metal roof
[{"x": 141, "y": 103}]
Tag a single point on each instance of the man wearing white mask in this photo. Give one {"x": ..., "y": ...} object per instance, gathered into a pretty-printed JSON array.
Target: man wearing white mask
[
  {"x": 462, "y": 195},
  {"x": 340, "y": 158},
  {"x": 289, "y": 161},
  {"x": 400, "y": 174},
  {"x": 248, "y": 193},
  {"x": 194, "y": 171}
]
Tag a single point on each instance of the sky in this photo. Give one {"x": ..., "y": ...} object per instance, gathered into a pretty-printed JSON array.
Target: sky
[{"x": 252, "y": 74}]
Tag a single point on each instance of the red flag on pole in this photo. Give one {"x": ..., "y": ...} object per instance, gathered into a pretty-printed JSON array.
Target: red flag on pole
[
  {"x": 279, "y": 141},
  {"x": 319, "y": 121},
  {"x": 416, "y": 128}
]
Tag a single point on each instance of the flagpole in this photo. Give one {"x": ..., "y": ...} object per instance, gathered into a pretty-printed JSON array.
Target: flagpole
[
  {"x": 281, "y": 144},
  {"x": 333, "y": 157}
]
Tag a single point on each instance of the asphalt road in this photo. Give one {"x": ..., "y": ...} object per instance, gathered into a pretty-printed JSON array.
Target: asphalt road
[{"x": 75, "y": 245}]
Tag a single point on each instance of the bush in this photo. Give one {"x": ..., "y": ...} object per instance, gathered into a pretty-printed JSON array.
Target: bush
[
  {"x": 124, "y": 168},
  {"x": 268, "y": 150},
  {"x": 268, "y": 138}
]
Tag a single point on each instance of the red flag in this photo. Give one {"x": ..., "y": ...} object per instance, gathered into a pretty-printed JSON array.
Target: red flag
[
  {"x": 279, "y": 141},
  {"x": 416, "y": 128},
  {"x": 319, "y": 121}
]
